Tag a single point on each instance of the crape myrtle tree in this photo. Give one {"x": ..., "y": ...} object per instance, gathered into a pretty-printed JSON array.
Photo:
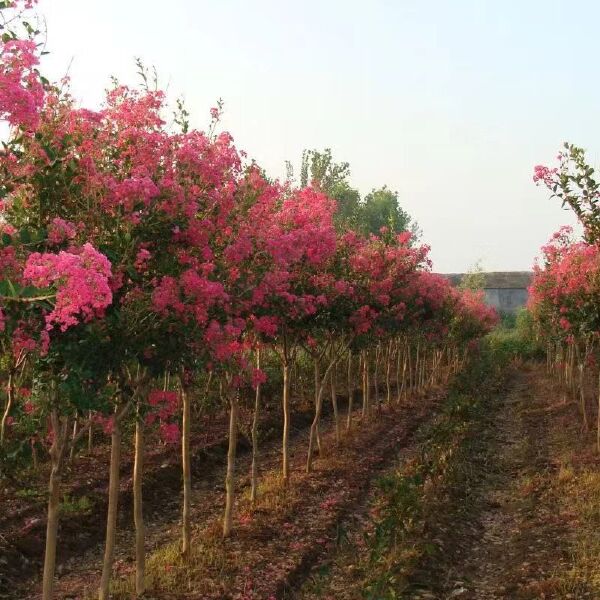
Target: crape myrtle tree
[
  {"x": 298, "y": 240},
  {"x": 564, "y": 291}
]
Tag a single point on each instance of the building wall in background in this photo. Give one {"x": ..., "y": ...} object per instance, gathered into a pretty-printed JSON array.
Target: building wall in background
[
  {"x": 504, "y": 290},
  {"x": 507, "y": 300}
]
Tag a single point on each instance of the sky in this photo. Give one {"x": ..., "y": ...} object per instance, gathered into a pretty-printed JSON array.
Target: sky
[{"x": 451, "y": 103}]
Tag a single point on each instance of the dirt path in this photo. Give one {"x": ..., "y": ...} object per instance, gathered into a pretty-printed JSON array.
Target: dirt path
[
  {"x": 518, "y": 542},
  {"x": 507, "y": 533}
]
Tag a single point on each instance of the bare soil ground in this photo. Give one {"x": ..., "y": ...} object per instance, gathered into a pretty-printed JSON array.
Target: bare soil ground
[
  {"x": 524, "y": 527},
  {"x": 275, "y": 543}
]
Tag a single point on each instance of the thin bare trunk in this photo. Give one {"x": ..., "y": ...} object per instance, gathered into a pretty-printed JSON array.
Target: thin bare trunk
[
  {"x": 316, "y": 431},
  {"x": 350, "y": 393},
  {"x": 113, "y": 502},
  {"x": 399, "y": 354},
  {"x": 59, "y": 431},
  {"x": 365, "y": 396},
  {"x": 375, "y": 376},
  {"x": 230, "y": 476},
  {"x": 598, "y": 417},
  {"x": 388, "y": 369},
  {"x": 285, "y": 446},
  {"x": 334, "y": 404},
  {"x": 186, "y": 466},
  {"x": 138, "y": 514},
  {"x": 9, "y": 405},
  {"x": 403, "y": 387},
  {"x": 410, "y": 369},
  {"x": 318, "y": 406},
  {"x": 74, "y": 436},
  {"x": 254, "y": 467},
  {"x": 583, "y": 402}
]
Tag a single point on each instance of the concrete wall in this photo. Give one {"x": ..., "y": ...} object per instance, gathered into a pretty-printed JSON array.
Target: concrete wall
[{"x": 506, "y": 300}]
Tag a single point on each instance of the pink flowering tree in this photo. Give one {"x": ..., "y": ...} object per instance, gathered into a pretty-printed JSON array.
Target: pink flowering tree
[{"x": 563, "y": 294}]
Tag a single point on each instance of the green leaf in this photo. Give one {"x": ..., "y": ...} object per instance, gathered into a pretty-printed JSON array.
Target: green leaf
[
  {"x": 31, "y": 291},
  {"x": 25, "y": 236}
]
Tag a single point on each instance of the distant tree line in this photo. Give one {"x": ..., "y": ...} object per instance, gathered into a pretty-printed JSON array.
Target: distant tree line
[{"x": 379, "y": 208}]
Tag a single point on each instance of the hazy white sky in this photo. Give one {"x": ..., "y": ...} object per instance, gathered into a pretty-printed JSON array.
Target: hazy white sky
[{"x": 449, "y": 102}]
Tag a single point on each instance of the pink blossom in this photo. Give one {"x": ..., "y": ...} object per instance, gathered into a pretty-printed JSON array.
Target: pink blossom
[
  {"x": 22, "y": 90},
  {"x": 81, "y": 283},
  {"x": 60, "y": 231},
  {"x": 141, "y": 260},
  {"x": 258, "y": 377},
  {"x": 169, "y": 432}
]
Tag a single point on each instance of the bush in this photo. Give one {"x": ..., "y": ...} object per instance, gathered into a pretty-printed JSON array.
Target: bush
[{"x": 518, "y": 341}]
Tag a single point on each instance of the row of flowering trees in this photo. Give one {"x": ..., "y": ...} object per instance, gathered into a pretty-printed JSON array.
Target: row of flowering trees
[
  {"x": 565, "y": 292},
  {"x": 139, "y": 261}
]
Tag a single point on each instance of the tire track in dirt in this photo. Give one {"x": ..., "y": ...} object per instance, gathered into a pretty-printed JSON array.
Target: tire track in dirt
[{"x": 516, "y": 539}]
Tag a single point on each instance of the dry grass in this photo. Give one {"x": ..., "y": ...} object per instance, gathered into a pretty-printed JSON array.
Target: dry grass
[{"x": 575, "y": 487}]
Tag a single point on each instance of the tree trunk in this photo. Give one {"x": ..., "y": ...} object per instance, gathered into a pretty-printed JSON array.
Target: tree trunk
[
  {"x": 314, "y": 426},
  {"x": 113, "y": 502},
  {"x": 138, "y": 515},
  {"x": 388, "y": 386},
  {"x": 186, "y": 472},
  {"x": 598, "y": 417},
  {"x": 365, "y": 385},
  {"x": 350, "y": 393},
  {"x": 410, "y": 370},
  {"x": 74, "y": 435},
  {"x": 375, "y": 376},
  {"x": 417, "y": 367},
  {"x": 9, "y": 404},
  {"x": 583, "y": 402},
  {"x": 402, "y": 395},
  {"x": 399, "y": 353},
  {"x": 230, "y": 477},
  {"x": 368, "y": 386},
  {"x": 59, "y": 431},
  {"x": 318, "y": 406},
  {"x": 317, "y": 389},
  {"x": 285, "y": 445},
  {"x": 254, "y": 467},
  {"x": 334, "y": 405}
]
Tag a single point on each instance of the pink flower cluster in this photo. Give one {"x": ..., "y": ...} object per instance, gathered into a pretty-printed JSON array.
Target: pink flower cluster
[
  {"x": 81, "y": 281},
  {"x": 545, "y": 175},
  {"x": 164, "y": 405},
  {"x": 60, "y": 231},
  {"x": 564, "y": 291},
  {"x": 22, "y": 92}
]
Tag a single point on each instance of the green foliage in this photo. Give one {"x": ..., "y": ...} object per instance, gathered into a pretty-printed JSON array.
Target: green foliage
[
  {"x": 380, "y": 208},
  {"x": 516, "y": 341},
  {"x": 72, "y": 506},
  {"x": 474, "y": 279},
  {"x": 319, "y": 168},
  {"x": 578, "y": 188}
]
